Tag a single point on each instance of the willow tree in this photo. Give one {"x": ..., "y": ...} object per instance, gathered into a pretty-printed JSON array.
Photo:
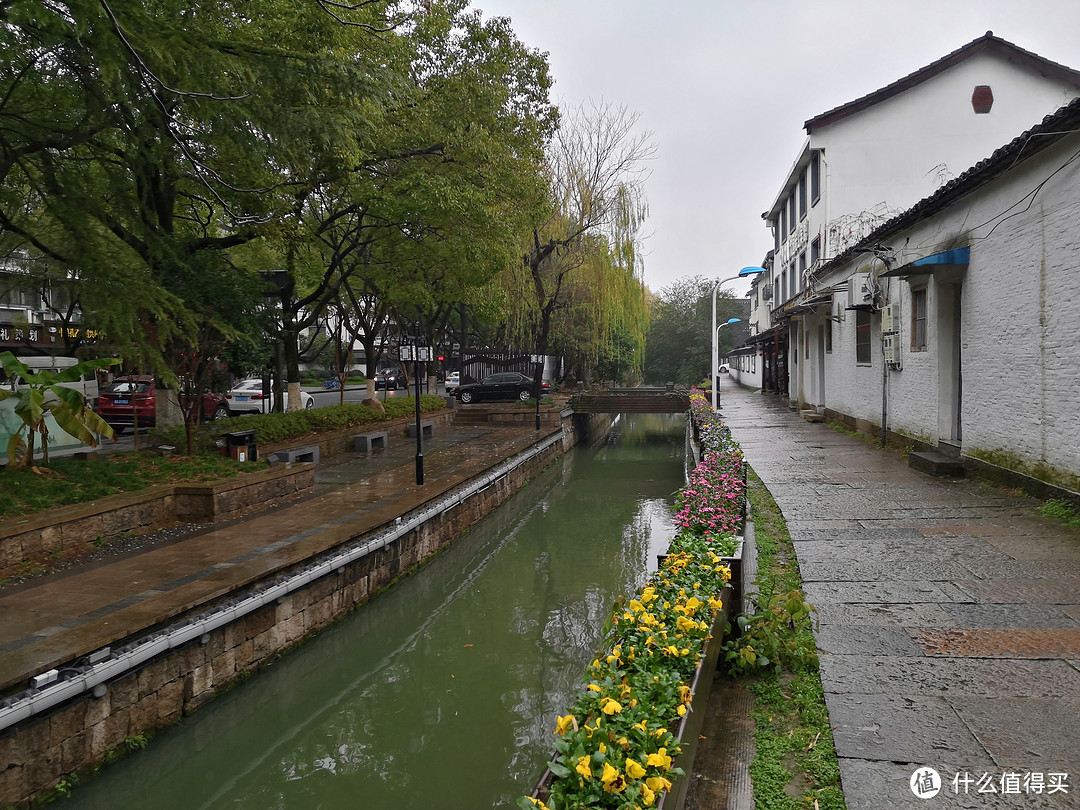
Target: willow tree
[{"x": 583, "y": 257}]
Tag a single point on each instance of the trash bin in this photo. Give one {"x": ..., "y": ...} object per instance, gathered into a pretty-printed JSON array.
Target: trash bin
[{"x": 240, "y": 445}]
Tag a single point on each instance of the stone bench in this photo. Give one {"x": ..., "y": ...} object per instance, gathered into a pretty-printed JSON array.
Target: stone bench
[
  {"x": 366, "y": 442},
  {"x": 297, "y": 454},
  {"x": 427, "y": 429}
]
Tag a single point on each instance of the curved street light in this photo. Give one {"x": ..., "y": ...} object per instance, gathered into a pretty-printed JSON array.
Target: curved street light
[
  {"x": 716, "y": 386},
  {"x": 746, "y": 271}
]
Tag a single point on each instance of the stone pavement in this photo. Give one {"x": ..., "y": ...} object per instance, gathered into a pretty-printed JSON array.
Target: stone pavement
[
  {"x": 52, "y": 620},
  {"x": 949, "y": 613}
]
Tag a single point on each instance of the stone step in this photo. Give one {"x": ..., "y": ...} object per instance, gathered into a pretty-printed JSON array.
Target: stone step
[
  {"x": 811, "y": 416},
  {"x": 934, "y": 463}
]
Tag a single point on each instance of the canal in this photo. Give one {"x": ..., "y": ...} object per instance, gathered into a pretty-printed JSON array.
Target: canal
[{"x": 443, "y": 690}]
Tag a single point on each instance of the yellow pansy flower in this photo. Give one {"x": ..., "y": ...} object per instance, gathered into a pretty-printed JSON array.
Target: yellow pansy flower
[
  {"x": 647, "y": 796},
  {"x": 593, "y": 687},
  {"x": 659, "y": 760},
  {"x": 657, "y": 783},
  {"x": 681, "y": 711},
  {"x": 610, "y": 706},
  {"x": 636, "y": 606},
  {"x": 634, "y": 769},
  {"x": 583, "y": 768},
  {"x": 612, "y": 779},
  {"x": 564, "y": 724}
]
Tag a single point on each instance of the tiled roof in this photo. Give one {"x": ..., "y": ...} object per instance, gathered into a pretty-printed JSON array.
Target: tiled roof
[{"x": 987, "y": 42}]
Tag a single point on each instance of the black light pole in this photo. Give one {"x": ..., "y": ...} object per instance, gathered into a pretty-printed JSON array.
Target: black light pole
[
  {"x": 416, "y": 354},
  {"x": 538, "y": 378}
]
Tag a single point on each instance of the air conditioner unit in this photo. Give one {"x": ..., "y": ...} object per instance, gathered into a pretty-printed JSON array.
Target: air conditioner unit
[
  {"x": 890, "y": 345},
  {"x": 890, "y": 319},
  {"x": 860, "y": 291},
  {"x": 766, "y": 293}
]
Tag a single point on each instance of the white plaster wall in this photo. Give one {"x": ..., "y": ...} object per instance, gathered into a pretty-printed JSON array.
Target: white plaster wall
[
  {"x": 1020, "y": 310},
  {"x": 889, "y": 152}
]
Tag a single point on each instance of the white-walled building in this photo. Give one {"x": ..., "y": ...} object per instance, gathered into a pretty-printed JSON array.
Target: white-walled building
[
  {"x": 954, "y": 323},
  {"x": 864, "y": 162}
]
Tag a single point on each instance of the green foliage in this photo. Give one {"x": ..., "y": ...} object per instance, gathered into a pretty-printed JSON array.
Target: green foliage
[
  {"x": 1061, "y": 511},
  {"x": 21, "y": 491},
  {"x": 679, "y": 343},
  {"x": 773, "y": 637},
  {"x": 279, "y": 427}
]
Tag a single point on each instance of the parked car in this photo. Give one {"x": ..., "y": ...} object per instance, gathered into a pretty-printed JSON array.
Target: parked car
[
  {"x": 724, "y": 368},
  {"x": 453, "y": 380},
  {"x": 132, "y": 399},
  {"x": 389, "y": 378},
  {"x": 501, "y": 385},
  {"x": 247, "y": 397}
]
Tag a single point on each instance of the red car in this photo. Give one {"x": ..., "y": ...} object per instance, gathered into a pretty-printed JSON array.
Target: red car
[{"x": 134, "y": 396}]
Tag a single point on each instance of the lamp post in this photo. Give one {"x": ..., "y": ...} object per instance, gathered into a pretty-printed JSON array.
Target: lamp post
[
  {"x": 416, "y": 354},
  {"x": 716, "y": 392},
  {"x": 537, "y": 360},
  {"x": 746, "y": 271}
]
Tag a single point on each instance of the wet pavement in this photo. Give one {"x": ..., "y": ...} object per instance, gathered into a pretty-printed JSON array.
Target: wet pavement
[
  {"x": 53, "y": 620},
  {"x": 949, "y": 619}
]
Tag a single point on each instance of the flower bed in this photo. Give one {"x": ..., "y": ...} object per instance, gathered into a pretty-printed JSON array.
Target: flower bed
[{"x": 617, "y": 744}]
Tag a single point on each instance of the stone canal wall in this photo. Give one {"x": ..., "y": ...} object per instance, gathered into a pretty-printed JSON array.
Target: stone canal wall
[{"x": 175, "y": 670}]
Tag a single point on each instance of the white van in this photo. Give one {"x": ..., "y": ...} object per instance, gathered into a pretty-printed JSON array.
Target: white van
[{"x": 86, "y": 385}]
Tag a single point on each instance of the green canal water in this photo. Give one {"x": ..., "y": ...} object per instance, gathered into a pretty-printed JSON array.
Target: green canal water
[{"x": 443, "y": 690}]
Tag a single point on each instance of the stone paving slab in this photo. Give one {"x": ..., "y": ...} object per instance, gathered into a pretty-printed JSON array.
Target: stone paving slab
[
  {"x": 853, "y": 640},
  {"x": 1028, "y": 732},
  {"x": 870, "y": 785},
  {"x": 895, "y": 728},
  {"x": 895, "y": 615},
  {"x": 886, "y": 592},
  {"x": 983, "y": 642},
  {"x": 984, "y": 614},
  {"x": 949, "y": 677}
]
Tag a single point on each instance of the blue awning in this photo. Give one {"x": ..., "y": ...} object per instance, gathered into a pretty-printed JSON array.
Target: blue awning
[{"x": 948, "y": 259}]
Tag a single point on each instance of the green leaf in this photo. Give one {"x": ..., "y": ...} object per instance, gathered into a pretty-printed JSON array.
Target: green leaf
[{"x": 559, "y": 769}]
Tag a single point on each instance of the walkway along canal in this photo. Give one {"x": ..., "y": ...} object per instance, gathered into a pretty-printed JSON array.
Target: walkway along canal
[{"x": 443, "y": 690}]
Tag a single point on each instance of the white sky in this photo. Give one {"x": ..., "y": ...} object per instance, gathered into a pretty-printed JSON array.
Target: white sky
[{"x": 725, "y": 86}]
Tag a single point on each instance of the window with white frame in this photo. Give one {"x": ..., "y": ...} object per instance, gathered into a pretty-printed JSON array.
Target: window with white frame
[
  {"x": 815, "y": 179},
  {"x": 802, "y": 195}
]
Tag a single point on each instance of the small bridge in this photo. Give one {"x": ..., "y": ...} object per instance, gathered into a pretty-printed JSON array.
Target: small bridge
[{"x": 632, "y": 400}]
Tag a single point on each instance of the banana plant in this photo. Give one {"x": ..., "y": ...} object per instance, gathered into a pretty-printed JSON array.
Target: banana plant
[{"x": 37, "y": 394}]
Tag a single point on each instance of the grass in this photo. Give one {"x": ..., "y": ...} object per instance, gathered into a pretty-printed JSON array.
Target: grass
[
  {"x": 1061, "y": 512},
  {"x": 795, "y": 766},
  {"x": 69, "y": 481}
]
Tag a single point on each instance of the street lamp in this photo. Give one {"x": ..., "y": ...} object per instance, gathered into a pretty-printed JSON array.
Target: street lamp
[
  {"x": 537, "y": 361},
  {"x": 418, "y": 354},
  {"x": 716, "y": 380},
  {"x": 746, "y": 271}
]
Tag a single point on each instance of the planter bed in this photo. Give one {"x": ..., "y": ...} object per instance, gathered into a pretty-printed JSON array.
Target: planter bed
[{"x": 69, "y": 532}]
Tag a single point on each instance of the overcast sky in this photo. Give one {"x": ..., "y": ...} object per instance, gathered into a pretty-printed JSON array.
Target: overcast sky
[{"x": 725, "y": 86}]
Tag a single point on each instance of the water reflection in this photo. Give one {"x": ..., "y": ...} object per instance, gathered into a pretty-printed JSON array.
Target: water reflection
[{"x": 443, "y": 690}]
